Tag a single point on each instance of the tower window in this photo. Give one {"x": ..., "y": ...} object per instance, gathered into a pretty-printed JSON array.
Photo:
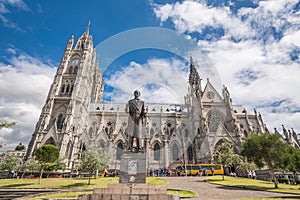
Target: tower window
[
  {"x": 72, "y": 87},
  {"x": 68, "y": 89},
  {"x": 63, "y": 89},
  {"x": 59, "y": 122}
]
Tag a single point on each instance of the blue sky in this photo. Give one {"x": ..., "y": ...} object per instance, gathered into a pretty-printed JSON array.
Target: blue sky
[{"x": 252, "y": 46}]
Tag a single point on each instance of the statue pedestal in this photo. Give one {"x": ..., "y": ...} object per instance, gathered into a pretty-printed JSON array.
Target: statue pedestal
[
  {"x": 133, "y": 168},
  {"x": 132, "y": 183},
  {"x": 129, "y": 192}
]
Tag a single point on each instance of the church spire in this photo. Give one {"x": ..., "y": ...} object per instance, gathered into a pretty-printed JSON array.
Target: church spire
[
  {"x": 194, "y": 78},
  {"x": 87, "y": 30}
]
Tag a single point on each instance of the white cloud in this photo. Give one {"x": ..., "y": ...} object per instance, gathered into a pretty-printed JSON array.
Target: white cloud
[
  {"x": 256, "y": 66},
  {"x": 157, "y": 79},
  {"x": 23, "y": 87},
  {"x": 20, "y": 4},
  {"x": 190, "y": 16}
]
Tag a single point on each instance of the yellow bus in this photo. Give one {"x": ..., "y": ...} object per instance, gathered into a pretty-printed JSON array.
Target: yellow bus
[
  {"x": 212, "y": 169},
  {"x": 199, "y": 169},
  {"x": 191, "y": 169}
]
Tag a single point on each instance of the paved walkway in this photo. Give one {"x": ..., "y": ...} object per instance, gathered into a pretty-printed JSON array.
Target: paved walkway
[{"x": 217, "y": 192}]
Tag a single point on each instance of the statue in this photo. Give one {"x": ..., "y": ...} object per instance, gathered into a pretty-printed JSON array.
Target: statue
[{"x": 136, "y": 110}]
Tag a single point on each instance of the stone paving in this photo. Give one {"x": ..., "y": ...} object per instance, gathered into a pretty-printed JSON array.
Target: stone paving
[{"x": 216, "y": 192}]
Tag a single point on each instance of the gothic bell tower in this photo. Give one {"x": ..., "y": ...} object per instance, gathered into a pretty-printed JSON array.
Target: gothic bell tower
[{"x": 77, "y": 82}]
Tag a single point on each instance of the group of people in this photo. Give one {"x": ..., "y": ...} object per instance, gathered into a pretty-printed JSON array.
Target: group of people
[
  {"x": 160, "y": 172},
  {"x": 252, "y": 174}
]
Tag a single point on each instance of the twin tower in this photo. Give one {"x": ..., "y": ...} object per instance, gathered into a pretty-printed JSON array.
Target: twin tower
[{"x": 74, "y": 118}]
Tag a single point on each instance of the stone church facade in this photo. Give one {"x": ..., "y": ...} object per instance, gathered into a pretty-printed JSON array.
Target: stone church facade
[{"x": 74, "y": 118}]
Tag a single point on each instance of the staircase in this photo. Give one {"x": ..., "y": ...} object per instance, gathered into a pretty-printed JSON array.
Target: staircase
[{"x": 8, "y": 194}]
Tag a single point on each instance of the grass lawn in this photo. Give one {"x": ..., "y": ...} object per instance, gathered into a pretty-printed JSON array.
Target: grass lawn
[
  {"x": 254, "y": 184},
  {"x": 183, "y": 193},
  {"x": 68, "y": 184},
  {"x": 57, "y": 183}
]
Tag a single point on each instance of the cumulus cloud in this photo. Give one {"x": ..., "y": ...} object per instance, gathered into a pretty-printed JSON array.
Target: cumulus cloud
[
  {"x": 159, "y": 80},
  {"x": 23, "y": 87},
  {"x": 192, "y": 16},
  {"x": 256, "y": 54}
]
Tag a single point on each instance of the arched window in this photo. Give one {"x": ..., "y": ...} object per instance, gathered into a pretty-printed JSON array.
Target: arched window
[
  {"x": 71, "y": 70},
  {"x": 156, "y": 152},
  {"x": 62, "y": 89},
  {"x": 120, "y": 149},
  {"x": 190, "y": 152},
  {"x": 175, "y": 152},
  {"x": 151, "y": 131},
  {"x": 72, "y": 87},
  {"x": 59, "y": 122},
  {"x": 75, "y": 70},
  {"x": 68, "y": 89},
  {"x": 50, "y": 141},
  {"x": 215, "y": 119}
]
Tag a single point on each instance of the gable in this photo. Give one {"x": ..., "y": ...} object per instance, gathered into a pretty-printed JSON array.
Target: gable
[{"x": 210, "y": 94}]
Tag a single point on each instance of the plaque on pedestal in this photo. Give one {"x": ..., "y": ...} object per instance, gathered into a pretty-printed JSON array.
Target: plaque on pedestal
[{"x": 133, "y": 168}]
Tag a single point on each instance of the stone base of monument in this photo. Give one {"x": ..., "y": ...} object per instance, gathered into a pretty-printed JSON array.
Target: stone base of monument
[
  {"x": 132, "y": 183},
  {"x": 129, "y": 192},
  {"x": 133, "y": 168}
]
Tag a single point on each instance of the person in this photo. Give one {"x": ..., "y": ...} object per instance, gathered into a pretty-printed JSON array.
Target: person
[
  {"x": 169, "y": 171},
  {"x": 213, "y": 171},
  {"x": 204, "y": 172},
  {"x": 136, "y": 110},
  {"x": 253, "y": 174},
  {"x": 249, "y": 174}
]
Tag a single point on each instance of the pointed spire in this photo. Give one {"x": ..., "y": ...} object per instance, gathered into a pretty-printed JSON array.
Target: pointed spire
[
  {"x": 87, "y": 30},
  {"x": 194, "y": 78},
  {"x": 191, "y": 60},
  {"x": 285, "y": 132},
  {"x": 70, "y": 42}
]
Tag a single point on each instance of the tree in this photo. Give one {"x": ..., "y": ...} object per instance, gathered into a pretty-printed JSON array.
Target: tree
[
  {"x": 20, "y": 147},
  {"x": 92, "y": 160},
  {"x": 292, "y": 159},
  {"x": 10, "y": 162},
  {"x": 224, "y": 154},
  {"x": 266, "y": 149},
  {"x": 46, "y": 154},
  {"x": 247, "y": 166},
  {"x": 29, "y": 165},
  {"x": 58, "y": 165},
  {"x": 5, "y": 124}
]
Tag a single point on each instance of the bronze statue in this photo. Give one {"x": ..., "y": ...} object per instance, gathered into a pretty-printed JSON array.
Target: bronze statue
[{"x": 136, "y": 110}]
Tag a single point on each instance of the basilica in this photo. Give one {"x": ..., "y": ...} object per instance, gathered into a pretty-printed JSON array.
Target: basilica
[{"x": 75, "y": 119}]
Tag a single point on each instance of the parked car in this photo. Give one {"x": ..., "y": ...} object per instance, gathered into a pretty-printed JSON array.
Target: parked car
[
  {"x": 8, "y": 174},
  {"x": 31, "y": 176},
  {"x": 54, "y": 176}
]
